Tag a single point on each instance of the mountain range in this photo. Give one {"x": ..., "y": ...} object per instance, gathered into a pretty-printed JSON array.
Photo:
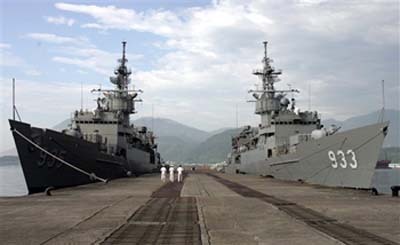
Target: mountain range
[
  {"x": 181, "y": 143},
  {"x": 393, "y": 137}
]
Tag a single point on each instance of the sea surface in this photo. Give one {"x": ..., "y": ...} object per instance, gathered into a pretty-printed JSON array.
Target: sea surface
[{"x": 12, "y": 182}]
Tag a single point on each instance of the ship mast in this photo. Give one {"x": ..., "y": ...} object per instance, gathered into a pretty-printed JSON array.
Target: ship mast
[
  {"x": 268, "y": 76},
  {"x": 267, "y": 102},
  {"x": 268, "y": 73},
  {"x": 122, "y": 72}
]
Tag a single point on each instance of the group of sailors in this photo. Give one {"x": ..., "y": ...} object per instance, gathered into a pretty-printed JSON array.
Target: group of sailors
[{"x": 171, "y": 171}]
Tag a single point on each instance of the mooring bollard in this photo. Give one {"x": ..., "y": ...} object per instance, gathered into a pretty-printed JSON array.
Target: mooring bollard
[{"x": 395, "y": 190}]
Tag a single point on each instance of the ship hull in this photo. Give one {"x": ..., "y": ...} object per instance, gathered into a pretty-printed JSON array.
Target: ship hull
[
  {"x": 42, "y": 171},
  {"x": 346, "y": 159}
]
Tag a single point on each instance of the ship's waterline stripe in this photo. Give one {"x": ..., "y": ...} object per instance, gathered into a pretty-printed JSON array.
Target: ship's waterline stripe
[{"x": 91, "y": 175}]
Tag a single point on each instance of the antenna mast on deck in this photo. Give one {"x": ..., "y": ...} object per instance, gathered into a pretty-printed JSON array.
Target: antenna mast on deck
[
  {"x": 382, "y": 114},
  {"x": 13, "y": 98},
  {"x": 152, "y": 117},
  {"x": 309, "y": 96},
  {"x": 237, "y": 116},
  {"x": 14, "y": 108},
  {"x": 81, "y": 96}
]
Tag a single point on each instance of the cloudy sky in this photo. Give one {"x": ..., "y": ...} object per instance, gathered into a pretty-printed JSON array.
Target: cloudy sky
[{"x": 193, "y": 59}]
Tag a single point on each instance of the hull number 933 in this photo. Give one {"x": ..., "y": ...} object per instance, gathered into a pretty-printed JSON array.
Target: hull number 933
[{"x": 343, "y": 159}]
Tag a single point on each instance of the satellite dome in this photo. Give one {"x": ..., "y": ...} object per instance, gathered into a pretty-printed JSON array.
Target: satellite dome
[
  {"x": 284, "y": 102},
  {"x": 318, "y": 133}
]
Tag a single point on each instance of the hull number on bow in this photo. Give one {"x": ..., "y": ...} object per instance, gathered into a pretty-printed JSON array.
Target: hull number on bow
[
  {"x": 44, "y": 158},
  {"x": 343, "y": 159}
]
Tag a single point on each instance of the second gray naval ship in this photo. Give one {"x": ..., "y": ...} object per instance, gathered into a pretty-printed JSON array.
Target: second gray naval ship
[
  {"x": 99, "y": 145},
  {"x": 293, "y": 145}
]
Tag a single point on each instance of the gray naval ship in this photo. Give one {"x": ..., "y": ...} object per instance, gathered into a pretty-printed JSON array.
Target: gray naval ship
[
  {"x": 290, "y": 144},
  {"x": 99, "y": 145}
]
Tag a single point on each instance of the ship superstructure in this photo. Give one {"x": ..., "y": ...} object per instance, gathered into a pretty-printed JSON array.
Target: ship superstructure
[
  {"x": 294, "y": 145},
  {"x": 98, "y": 145},
  {"x": 109, "y": 124}
]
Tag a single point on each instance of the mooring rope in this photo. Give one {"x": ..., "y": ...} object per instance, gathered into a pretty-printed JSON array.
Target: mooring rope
[{"x": 91, "y": 175}]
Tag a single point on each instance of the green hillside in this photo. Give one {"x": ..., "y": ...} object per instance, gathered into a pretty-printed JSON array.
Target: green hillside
[
  {"x": 214, "y": 149},
  {"x": 175, "y": 149},
  {"x": 393, "y": 137}
]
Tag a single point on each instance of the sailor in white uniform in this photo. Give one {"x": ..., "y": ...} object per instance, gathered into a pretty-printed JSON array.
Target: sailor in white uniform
[
  {"x": 180, "y": 173},
  {"x": 163, "y": 173},
  {"x": 171, "y": 174}
]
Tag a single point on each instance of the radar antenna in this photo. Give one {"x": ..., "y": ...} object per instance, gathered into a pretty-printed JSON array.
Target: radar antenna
[
  {"x": 269, "y": 76},
  {"x": 122, "y": 72}
]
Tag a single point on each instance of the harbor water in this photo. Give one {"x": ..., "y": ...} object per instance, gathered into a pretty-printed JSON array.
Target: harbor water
[{"x": 12, "y": 182}]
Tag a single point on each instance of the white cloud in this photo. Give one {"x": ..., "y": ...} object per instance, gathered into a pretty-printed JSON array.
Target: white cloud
[
  {"x": 111, "y": 17},
  {"x": 82, "y": 71},
  {"x": 8, "y": 59},
  {"x": 59, "y": 20},
  {"x": 93, "y": 25},
  {"x": 383, "y": 34},
  {"x": 89, "y": 63},
  {"x": 92, "y": 59},
  {"x": 56, "y": 39},
  {"x": 33, "y": 72},
  {"x": 81, "y": 52},
  {"x": 5, "y": 46}
]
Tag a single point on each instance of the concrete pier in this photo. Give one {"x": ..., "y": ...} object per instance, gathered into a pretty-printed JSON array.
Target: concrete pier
[{"x": 96, "y": 213}]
